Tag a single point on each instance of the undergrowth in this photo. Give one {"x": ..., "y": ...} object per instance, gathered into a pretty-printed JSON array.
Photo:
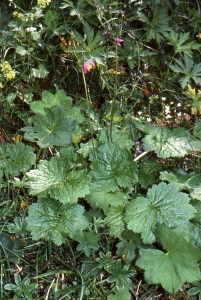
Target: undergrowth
[{"x": 100, "y": 138}]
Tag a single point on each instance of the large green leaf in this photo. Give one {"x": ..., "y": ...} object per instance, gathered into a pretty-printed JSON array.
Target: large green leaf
[
  {"x": 123, "y": 295},
  {"x": 99, "y": 198},
  {"x": 174, "y": 267},
  {"x": 52, "y": 129},
  {"x": 164, "y": 204},
  {"x": 20, "y": 157},
  {"x": 122, "y": 138},
  {"x": 114, "y": 220},
  {"x": 48, "y": 100},
  {"x": 195, "y": 225},
  {"x": 157, "y": 24},
  {"x": 190, "y": 181},
  {"x": 189, "y": 68},
  {"x": 169, "y": 143},
  {"x": 195, "y": 234},
  {"x": 148, "y": 171},
  {"x": 180, "y": 42},
  {"x": 113, "y": 167},
  {"x": 48, "y": 219},
  {"x": 56, "y": 178},
  {"x": 177, "y": 178}
]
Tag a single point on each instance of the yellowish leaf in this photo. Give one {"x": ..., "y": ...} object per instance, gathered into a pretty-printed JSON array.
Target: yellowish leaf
[{"x": 112, "y": 71}]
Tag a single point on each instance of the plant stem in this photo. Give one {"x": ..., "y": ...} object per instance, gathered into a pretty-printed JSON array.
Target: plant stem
[
  {"x": 115, "y": 91},
  {"x": 88, "y": 110}
]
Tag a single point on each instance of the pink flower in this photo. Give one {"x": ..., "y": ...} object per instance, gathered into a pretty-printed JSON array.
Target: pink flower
[
  {"x": 88, "y": 66},
  {"x": 85, "y": 69},
  {"x": 118, "y": 40}
]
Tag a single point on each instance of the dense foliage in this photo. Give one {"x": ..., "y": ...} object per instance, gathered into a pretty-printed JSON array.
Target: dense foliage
[{"x": 100, "y": 144}]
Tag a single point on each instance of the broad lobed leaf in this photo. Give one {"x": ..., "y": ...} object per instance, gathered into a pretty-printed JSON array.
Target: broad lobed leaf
[
  {"x": 170, "y": 143},
  {"x": 49, "y": 219},
  {"x": 164, "y": 204},
  {"x": 113, "y": 167},
  {"x": 56, "y": 178},
  {"x": 52, "y": 129},
  {"x": 174, "y": 267}
]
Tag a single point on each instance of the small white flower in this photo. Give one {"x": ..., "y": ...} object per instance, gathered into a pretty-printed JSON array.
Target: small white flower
[
  {"x": 179, "y": 114},
  {"x": 149, "y": 119},
  {"x": 167, "y": 109},
  {"x": 31, "y": 29},
  {"x": 179, "y": 104},
  {"x": 139, "y": 113}
]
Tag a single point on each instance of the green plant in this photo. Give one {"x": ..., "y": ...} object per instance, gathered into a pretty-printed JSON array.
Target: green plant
[
  {"x": 100, "y": 150},
  {"x": 195, "y": 290},
  {"x": 22, "y": 288}
]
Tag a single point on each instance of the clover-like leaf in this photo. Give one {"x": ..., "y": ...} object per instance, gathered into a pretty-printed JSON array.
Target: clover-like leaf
[
  {"x": 51, "y": 220},
  {"x": 18, "y": 227},
  {"x": 105, "y": 261},
  {"x": 120, "y": 275},
  {"x": 176, "y": 266},
  {"x": 164, "y": 204},
  {"x": 52, "y": 129},
  {"x": 87, "y": 148},
  {"x": 170, "y": 143},
  {"x": 113, "y": 167},
  {"x": 99, "y": 198},
  {"x": 56, "y": 178}
]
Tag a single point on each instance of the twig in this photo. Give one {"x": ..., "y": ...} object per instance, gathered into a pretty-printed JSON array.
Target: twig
[{"x": 46, "y": 298}]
